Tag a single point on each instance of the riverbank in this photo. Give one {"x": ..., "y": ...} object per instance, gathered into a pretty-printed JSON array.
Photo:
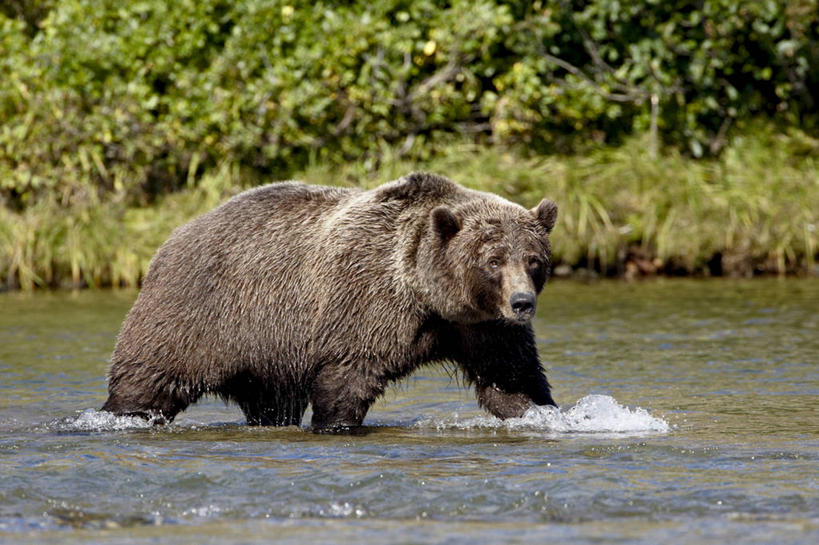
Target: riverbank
[{"x": 755, "y": 210}]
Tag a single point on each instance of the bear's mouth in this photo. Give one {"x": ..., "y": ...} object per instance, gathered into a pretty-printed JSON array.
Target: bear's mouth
[{"x": 521, "y": 317}]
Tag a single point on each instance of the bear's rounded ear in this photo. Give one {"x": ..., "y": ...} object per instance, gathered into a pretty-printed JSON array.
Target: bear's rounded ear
[
  {"x": 546, "y": 214},
  {"x": 445, "y": 223}
]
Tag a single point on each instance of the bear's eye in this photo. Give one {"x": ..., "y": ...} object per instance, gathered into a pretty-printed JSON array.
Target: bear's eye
[
  {"x": 533, "y": 262},
  {"x": 493, "y": 263}
]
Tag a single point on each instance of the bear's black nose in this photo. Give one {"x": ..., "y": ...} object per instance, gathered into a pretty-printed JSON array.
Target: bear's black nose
[{"x": 523, "y": 303}]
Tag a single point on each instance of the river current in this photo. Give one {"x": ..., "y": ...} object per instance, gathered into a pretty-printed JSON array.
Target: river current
[{"x": 689, "y": 414}]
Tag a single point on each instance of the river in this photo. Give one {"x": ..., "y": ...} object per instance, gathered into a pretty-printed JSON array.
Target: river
[{"x": 689, "y": 414}]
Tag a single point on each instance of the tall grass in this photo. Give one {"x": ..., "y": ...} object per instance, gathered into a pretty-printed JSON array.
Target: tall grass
[
  {"x": 99, "y": 244},
  {"x": 754, "y": 210}
]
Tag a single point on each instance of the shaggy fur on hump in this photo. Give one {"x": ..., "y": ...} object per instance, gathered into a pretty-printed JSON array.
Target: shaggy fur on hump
[{"x": 290, "y": 294}]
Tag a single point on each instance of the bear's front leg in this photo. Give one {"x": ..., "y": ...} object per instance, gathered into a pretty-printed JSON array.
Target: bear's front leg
[
  {"x": 502, "y": 404},
  {"x": 502, "y": 360},
  {"x": 341, "y": 395}
]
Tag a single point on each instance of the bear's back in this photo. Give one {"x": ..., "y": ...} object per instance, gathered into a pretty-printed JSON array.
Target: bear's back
[{"x": 253, "y": 223}]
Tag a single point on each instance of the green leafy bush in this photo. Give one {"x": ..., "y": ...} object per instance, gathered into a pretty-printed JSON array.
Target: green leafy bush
[{"x": 103, "y": 100}]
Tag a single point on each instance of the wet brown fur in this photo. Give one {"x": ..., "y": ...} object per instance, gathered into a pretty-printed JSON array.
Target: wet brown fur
[{"x": 291, "y": 294}]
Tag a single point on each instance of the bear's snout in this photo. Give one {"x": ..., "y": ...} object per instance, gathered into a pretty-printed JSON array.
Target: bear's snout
[{"x": 523, "y": 305}]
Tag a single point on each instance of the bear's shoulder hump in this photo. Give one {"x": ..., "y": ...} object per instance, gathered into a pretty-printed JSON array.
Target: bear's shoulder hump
[{"x": 417, "y": 186}]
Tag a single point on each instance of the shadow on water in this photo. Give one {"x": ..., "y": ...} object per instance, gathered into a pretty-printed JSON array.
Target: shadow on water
[{"x": 688, "y": 415}]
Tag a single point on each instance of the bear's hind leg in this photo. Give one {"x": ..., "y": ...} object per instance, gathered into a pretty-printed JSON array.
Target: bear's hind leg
[
  {"x": 264, "y": 405},
  {"x": 277, "y": 415},
  {"x": 158, "y": 407},
  {"x": 272, "y": 412},
  {"x": 139, "y": 389}
]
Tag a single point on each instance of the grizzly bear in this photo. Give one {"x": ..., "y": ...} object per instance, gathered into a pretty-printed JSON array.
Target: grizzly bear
[{"x": 290, "y": 294}]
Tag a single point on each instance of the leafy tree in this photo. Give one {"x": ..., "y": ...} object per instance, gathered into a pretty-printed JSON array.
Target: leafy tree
[{"x": 103, "y": 99}]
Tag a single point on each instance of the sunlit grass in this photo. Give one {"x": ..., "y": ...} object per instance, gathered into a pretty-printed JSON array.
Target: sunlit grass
[
  {"x": 100, "y": 244},
  {"x": 753, "y": 210}
]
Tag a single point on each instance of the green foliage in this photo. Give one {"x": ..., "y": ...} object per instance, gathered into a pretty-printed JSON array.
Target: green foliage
[
  {"x": 756, "y": 209},
  {"x": 30, "y": 12},
  {"x": 121, "y": 120},
  {"x": 597, "y": 66},
  {"x": 109, "y": 101},
  {"x": 101, "y": 243}
]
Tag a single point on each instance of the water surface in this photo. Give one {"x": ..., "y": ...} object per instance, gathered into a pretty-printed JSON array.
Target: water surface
[{"x": 690, "y": 414}]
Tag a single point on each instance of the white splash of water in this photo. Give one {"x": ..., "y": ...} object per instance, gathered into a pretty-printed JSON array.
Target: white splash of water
[
  {"x": 591, "y": 414},
  {"x": 91, "y": 420}
]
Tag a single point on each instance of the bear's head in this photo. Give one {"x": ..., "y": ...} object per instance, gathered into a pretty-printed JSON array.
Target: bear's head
[{"x": 492, "y": 258}]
